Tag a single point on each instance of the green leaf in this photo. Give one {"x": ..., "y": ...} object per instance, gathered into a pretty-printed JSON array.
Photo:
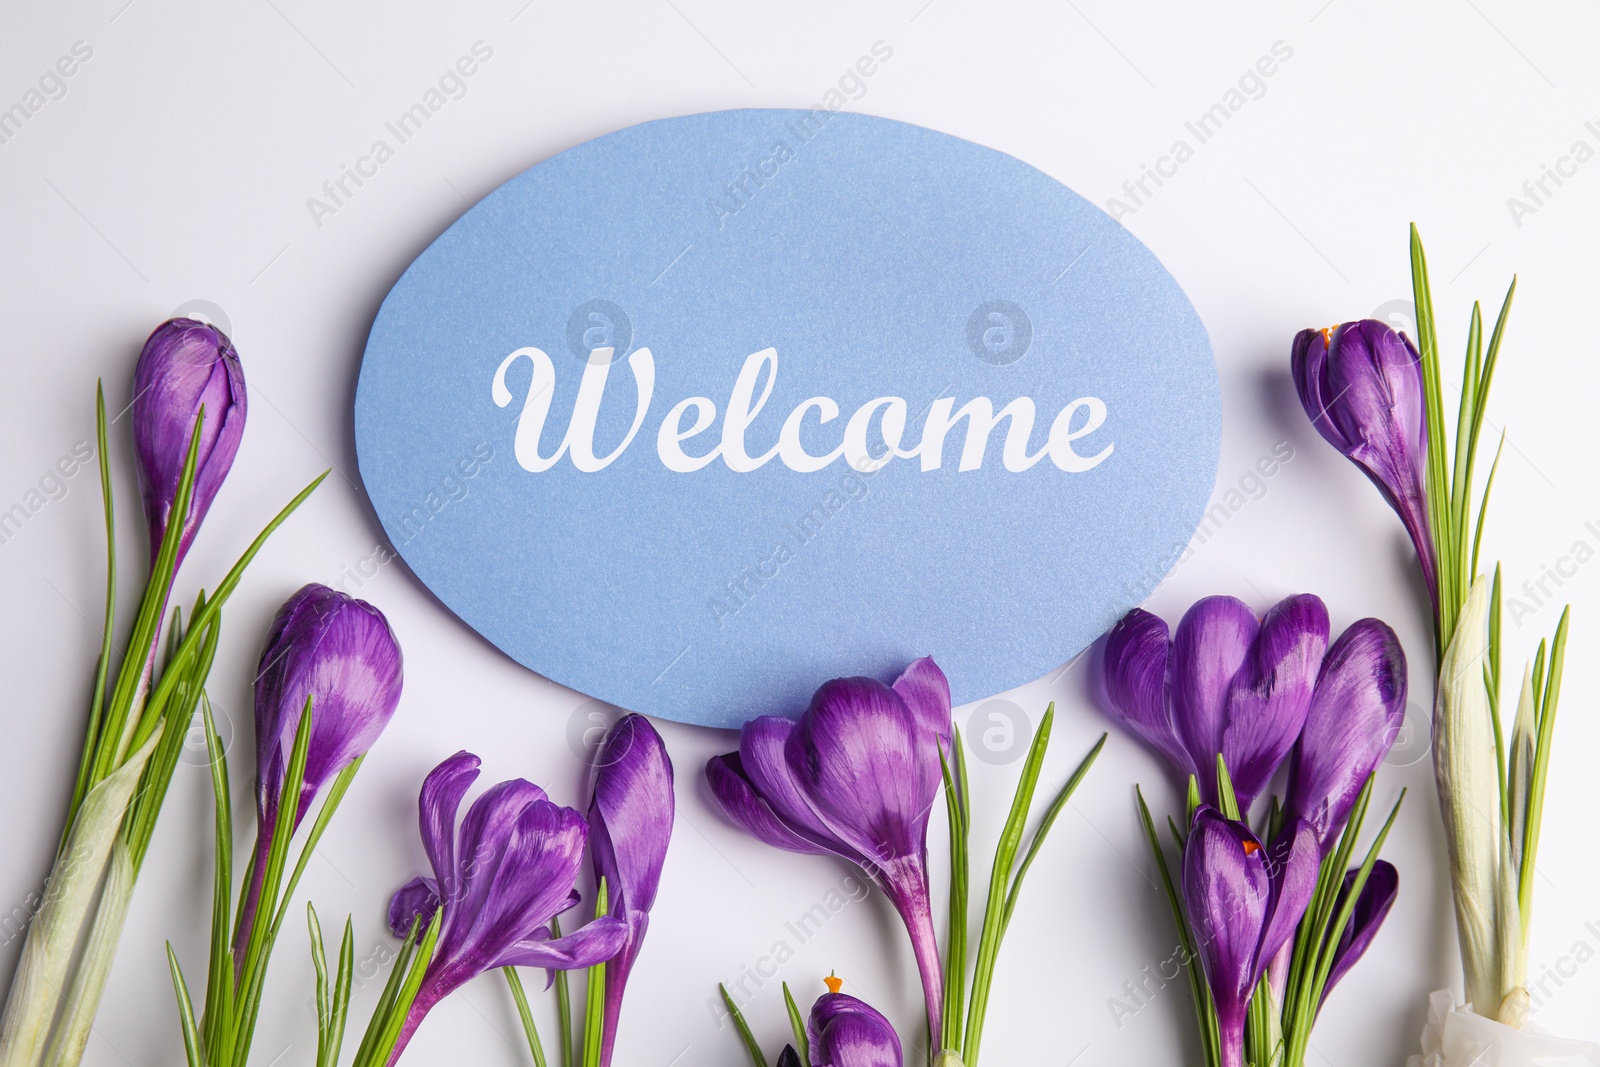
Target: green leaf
[
  {"x": 408, "y": 991},
  {"x": 263, "y": 925},
  {"x": 756, "y": 1058},
  {"x": 97, "y": 702},
  {"x": 217, "y": 1023},
  {"x": 330, "y": 804},
  {"x": 1200, "y": 991},
  {"x": 1548, "y": 697},
  {"x": 595, "y": 1008},
  {"x": 226, "y": 588},
  {"x": 1491, "y": 684},
  {"x": 1005, "y": 855},
  {"x": 797, "y": 1023},
  {"x": 1045, "y": 824},
  {"x": 1227, "y": 802},
  {"x": 324, "y": 993},
  {"x": 176, "y": 712},
  {"x": 1451, "y": 594},
  {"x": 525, "y": 1013},
  {"x": 955, "y": 964},
  {"x": 367, "y": 1051},
  {"x": 123, "y": 732},
  {"x": 569, "y": 1055},
  {"x": 191, "y": 1036},
  {"x": 341, "y": 992}
]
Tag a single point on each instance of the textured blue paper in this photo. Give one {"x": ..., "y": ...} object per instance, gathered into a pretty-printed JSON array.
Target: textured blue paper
[{"x": 880, "y": 260}]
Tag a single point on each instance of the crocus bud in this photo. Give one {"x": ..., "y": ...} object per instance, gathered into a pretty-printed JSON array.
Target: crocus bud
[
  {"x": 340, "y": 652},
  {"x": 1243, "y": 899},
  {"x": 846, "y": 1032},
  {"x": 185, "y": 365},
  {"x": 1361, "y": 384}
]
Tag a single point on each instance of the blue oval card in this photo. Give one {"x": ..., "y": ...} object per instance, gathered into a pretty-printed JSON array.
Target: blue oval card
[{"x": 704, "y": 412}]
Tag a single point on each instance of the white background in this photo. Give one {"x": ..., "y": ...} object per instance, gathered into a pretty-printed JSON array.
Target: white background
[{"x": 178, "y": 166}]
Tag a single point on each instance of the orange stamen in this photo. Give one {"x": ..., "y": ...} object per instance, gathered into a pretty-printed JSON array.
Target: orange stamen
[
  {"x": 1250, "y": 848},
  {"x": 833, "y": 983}
]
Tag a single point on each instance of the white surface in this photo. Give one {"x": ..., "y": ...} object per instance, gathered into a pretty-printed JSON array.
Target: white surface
[{"x": 178, "y": 166}]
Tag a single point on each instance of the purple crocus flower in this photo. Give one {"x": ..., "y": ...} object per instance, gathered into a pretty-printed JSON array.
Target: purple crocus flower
[
  {"x": 1243, "y": 905},
  {"x": 185, "y": 365},
  {"x": 1361, "y": 384},
  {"x": 1372, "y": 907},
  {"x": 856, "y": 776},
  {"x": 340, "y": 652},
  {"x": 1225, "y": 684},
  {"x": 1354, "y": 719},
  {"x": 846, "y": 1032},
  {"x": 501, "y": 878},
  {"x": 630, "y": 824}
]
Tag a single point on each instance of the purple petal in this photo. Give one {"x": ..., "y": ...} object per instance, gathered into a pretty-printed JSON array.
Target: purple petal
[
  {"x": 418, "y": 897},
  {"x": 926, "y": 691},
  {"x": 764, "y": 756},
  {"x": 630, "y": 816},
  {"x": 846, "y": 1032},
  {"x": 438, "y": 806},
  {"x": 518, "y": 855},
  {"x": 860, "y": 758},
  {"x": 1211, "y": 645},
  {"x": 1355, "y": 715},
  {"x": 630, "y": 825},
  {"x": 1137, "y": 659},
  {"x": 1372, "y": 907},
  {"x": 185, "y": 365},
  {"x": 788, "y": 1057},
  {"x": 1227, "y": 896},
  {"x": 1269, "y": 697},
  {"x": 750, "y": 812},
  {"x": 1308, "y": 363},
  {"x": 1294, "y": 863},
  {"x": 596, "y": 942}
]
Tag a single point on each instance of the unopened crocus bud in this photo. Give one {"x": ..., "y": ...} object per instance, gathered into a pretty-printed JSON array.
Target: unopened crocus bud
[
  {"x": 185, "y": 365},
  {"x": 339, "y": 652},
  {"x": 1361, "y": 384},
  {"x": 846, "y": 1032}
]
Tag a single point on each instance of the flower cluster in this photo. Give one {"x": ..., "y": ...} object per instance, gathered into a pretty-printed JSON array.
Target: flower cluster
[
  {"x": 1228, "y": 700},
  {"x": 1379, "y": 400}
]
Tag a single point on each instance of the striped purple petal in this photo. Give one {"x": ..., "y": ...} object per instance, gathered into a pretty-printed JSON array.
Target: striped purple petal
[
  {"x": 630, "y": 826},
  {"x": 1270, "y": 695},
  {"x": 846, "y": 1032},
  {"x": 1372, "y": 907},
  {"x": 1138, "y": 657},
  {"x": 1355, "y": 715},
  {"x": 1212, "y": 643}
]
